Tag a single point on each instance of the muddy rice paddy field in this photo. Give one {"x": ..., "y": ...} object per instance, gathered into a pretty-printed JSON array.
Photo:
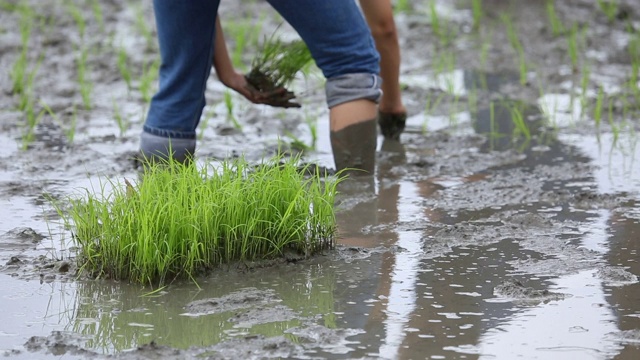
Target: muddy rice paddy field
[{"x": 505, "y": 223}]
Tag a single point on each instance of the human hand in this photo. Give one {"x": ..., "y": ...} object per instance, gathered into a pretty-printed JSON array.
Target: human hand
[{"x": 279, "y": 97}]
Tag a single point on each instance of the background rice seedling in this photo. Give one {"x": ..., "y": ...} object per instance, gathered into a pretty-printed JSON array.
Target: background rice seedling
[{"x": 557, "y": 28}]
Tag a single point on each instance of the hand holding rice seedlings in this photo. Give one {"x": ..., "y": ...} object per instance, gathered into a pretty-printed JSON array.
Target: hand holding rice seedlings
[
  {"x": 276, "y": 67},
  {"x": 180, "y": 221}
]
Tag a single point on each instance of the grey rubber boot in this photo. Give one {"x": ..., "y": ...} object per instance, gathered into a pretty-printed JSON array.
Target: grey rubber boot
[
  {"x": 155, "y": 148},
  {"x": 354, "y": 148}
]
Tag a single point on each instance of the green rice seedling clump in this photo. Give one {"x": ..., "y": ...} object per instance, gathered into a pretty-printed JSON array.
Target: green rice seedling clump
[
  {"x": 180, "y": 221},
  {"x": 278, "y": 63}
]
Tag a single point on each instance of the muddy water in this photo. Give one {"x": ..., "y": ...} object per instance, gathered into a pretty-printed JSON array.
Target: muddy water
[{"x": 467, "y": 243}]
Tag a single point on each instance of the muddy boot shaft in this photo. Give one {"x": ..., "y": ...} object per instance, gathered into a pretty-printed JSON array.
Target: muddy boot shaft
[{"x": 354, "y": 148}]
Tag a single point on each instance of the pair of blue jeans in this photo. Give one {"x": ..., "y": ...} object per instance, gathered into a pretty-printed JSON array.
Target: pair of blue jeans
[{"x": 334, "y": 30}]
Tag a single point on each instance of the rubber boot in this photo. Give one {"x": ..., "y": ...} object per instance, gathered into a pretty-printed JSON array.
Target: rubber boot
[
  {"x": 354, "y": 148},
  {"x": 155, "y": 148}
]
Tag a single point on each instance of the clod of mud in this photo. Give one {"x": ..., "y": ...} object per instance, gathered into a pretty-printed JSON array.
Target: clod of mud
[
  {"x": 262, "y": 315},
  {"x": 14, "y": 261},
  {"x": 331, "y": 340},
  {"x": 21, "y": 235},
  {"x": 631, "y": 337},
  {"x": 58, "y": 343},
  {"x": 515, "y": 290},
  {"x": 243, "y": 299},
  {"x": 256, "y": 347},
  {"x": 40, "y": 267},
  {"x": 616, "y": 276}
]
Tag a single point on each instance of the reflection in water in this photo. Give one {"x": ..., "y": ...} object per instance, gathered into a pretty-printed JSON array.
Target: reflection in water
[{"x": 114, "y": 316}]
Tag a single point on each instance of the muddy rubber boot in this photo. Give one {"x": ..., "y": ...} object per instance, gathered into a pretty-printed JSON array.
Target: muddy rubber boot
[
  {"x": 392, "y": 125},
  {"x": 155, "y": 148},
  {"x": 354, "y": 148}
]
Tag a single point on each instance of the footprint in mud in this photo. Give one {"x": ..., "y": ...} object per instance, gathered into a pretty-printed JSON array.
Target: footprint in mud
[
  {"x": 616, "y": 276},
  {"x": 517, "y": 291}
]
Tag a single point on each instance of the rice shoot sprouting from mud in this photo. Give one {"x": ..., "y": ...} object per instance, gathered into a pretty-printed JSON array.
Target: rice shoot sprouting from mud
[{"x": 180, "y": 221}]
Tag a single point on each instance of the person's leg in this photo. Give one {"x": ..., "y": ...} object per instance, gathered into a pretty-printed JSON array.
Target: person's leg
[
  {"x": 341, "y": 44},
  {"x": 392, "y": 115},
  {"x": 186, "y": 32}
]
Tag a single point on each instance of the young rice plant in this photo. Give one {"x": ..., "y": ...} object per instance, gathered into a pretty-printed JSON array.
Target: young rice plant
[{"x": 180, "y": 221}]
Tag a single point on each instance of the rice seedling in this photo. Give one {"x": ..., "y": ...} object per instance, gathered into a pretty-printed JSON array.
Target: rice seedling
[
  {"x": 123, "y": 66},
  {"x": 520, "y": 126},
  {"x": 70, "y": 131},
  {"x": 478, "y": 13},
  {"x": 514, "y": 40},
  {"x": 572, "y": 46},
  {"x": 19, "y": 68},
  {"x": 597, "y": 110},
  {"x": 142, "y": 26},
  {"x": 244, "y": 33},
  {"x": 148, "y": 79},
  {"x": 277, "y": 64},
  {"x": 74, "y": 11},
  {"x": 614, "y": 127},
  {"x": 609, "y": 8},
  {"x": 485, "y": 47},
  {"x": 634, "y": 54},
  {"x": 557, "y": 28},
  {"x": 312, "y": 124},
  {"x": 430, "y": 106},
  {"x": 402, "y": 6},
  {"x": 32, "y": 122},
  {"x": 121, "y": 121},
  {"x": 584, "y": 86},
  {"x": 440, "y": 27},
  {"x": 492, "y": 124},
  {"x": 209, "y": 114},
  {"x": 181, "y": 221},
  {"x": 96, "y": 8},
  {"x": 445, "y": 62},
  {"x": 229, "y": 104},
  {"x": 85, "y": 84},
  {"x": 295, "y": 142}
]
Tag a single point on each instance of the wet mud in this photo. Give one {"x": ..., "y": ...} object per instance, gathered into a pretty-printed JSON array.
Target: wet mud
[{"x": 473, "y": 238}]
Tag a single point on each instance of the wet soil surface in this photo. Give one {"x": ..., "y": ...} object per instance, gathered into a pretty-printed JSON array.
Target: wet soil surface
[{"x": 471, "y": 241}]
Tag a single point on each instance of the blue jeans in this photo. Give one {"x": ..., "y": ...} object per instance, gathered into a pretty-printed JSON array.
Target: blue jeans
[{"x": 334, "y": 30}]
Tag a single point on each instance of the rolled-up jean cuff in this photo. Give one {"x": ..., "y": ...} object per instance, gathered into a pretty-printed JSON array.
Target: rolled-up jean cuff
[
  {"x": 350, "y": 87},
  {"x": 169, "y": 133}
]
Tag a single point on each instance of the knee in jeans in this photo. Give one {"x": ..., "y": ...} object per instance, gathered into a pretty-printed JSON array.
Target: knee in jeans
[{"x": 350, "y": 87}]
